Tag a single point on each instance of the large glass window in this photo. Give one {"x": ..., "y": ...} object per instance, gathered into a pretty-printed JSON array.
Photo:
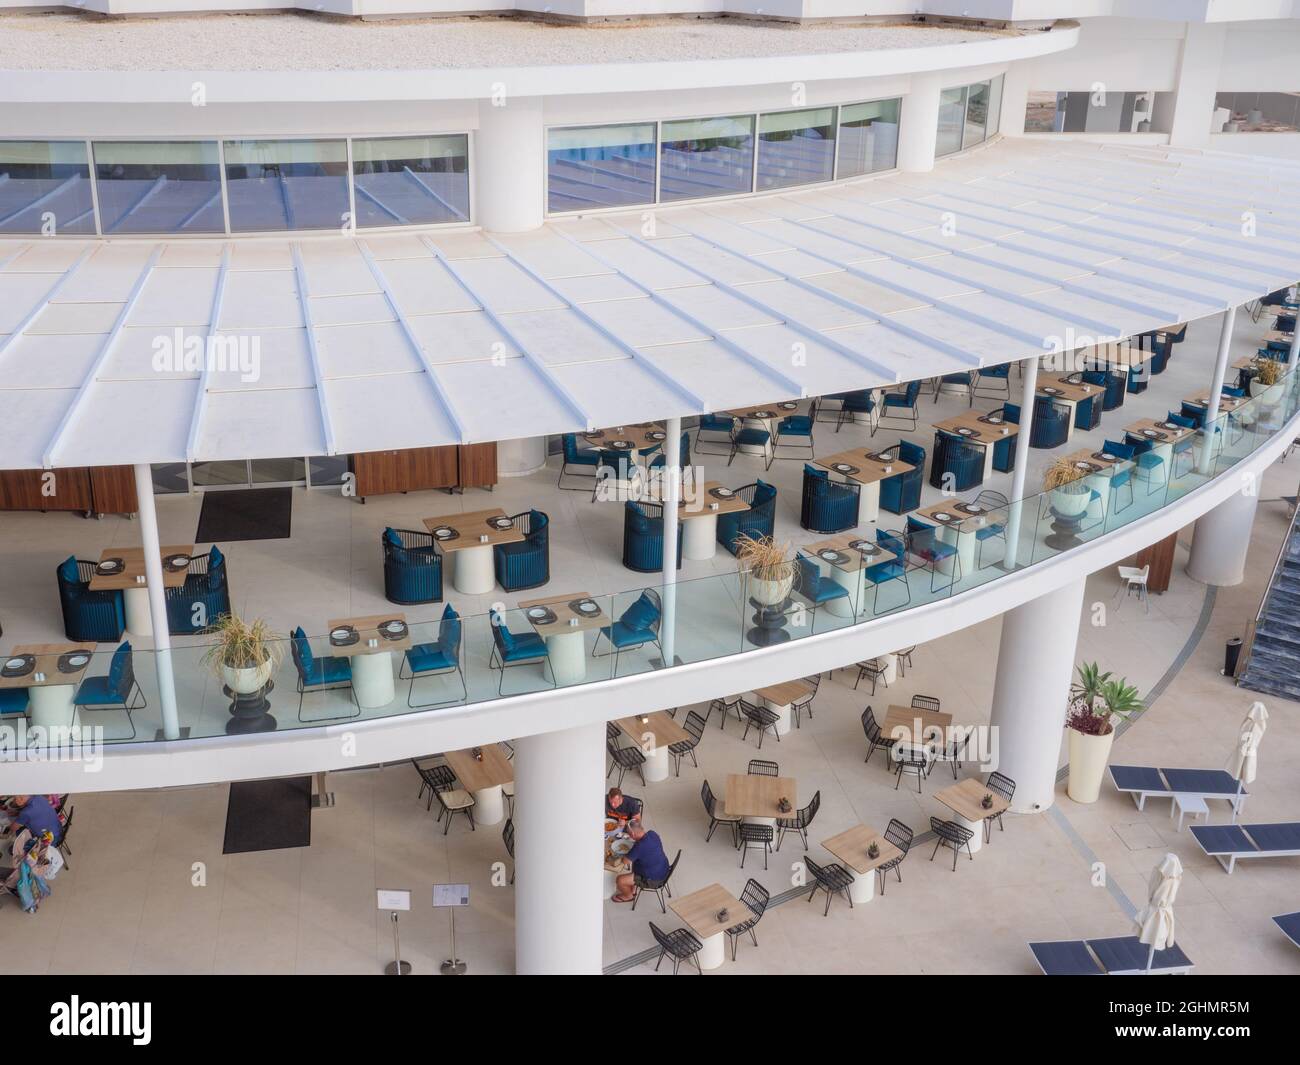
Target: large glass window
[
  {"x": 1098, "y": 112},
  {"x": 868, "y": 137},
  {"x": 158, "y": 187},
  {"x": 1256, "y": 112},
  {"x": 796, "y": 147},
  {"x": 706, "y": 157},
  {"x": 600, "y": 166},
  {"x": 281, "y": 184},
  {"x": 952, "y": 117},
  {"x": 45, "y": 188},
  {"x": 404, "y": 181},
  {"x": 977, "y": 115}
]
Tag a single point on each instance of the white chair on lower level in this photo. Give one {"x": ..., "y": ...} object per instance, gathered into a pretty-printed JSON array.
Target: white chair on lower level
[{"x": 1134, "y": 580}]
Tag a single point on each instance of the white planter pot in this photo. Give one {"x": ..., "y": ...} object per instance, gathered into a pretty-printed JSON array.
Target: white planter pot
[
  {"x": 1271, "y": 393},
  {"x": 246, "y": 681},
  {"x": 1088, "y": 758},
  {"x": 1070, "y": 504},
  {"x": 770, "y": 593}
]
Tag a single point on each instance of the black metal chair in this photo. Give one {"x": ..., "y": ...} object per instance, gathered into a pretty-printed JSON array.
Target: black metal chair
[
  {"x": 875, "y": 738},
  {"x": 694, "y": 724},
  {"x": 657, "y": 886},
  {"x": 875, "y": 670},
  {"x": 752, "y": 834},
  {"x": 900, "y": 836},
  {"x": 455, "y": 801},
  {"x": 64, "y": 849},
  {"x": 724, "y": 707},
  {"x": 433, "y": 779},
  {"x": 802, "y": 705},
  {"x": 716, "y": 817},
  {"x": 799, "y": 822},
  {"x": 951, "y": 834},
  {"x": 925, "y": 702},
  {"x": 761, "y": 718},
  {"x": 998, "y": 783},
  {"x": 831, "y": 878},
  {"x": 623, "y": 759},
  {"x": 679, "y": 944},
  {"x": 755, "y": 896},
  {"x": 508, "y": 838},
  {"x": 904, "y": 659},
  {"x": 953, "y": 751},
  {"x": 759, "y": 767},
  {"x": 911, "y": 760}
]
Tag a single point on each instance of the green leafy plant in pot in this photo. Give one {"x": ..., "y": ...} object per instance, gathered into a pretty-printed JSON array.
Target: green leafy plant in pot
[
  {"x": 243, "y": 655},
  {"x": 1097, "y": 700}
]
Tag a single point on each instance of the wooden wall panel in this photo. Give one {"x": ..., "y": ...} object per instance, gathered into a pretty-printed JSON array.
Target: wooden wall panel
[
  {"x": 1160, "y": 556},
  {"x": 478, "y": 465},
  {"x": 22, "y": 490},
  {"x": 112, "y": 490}
]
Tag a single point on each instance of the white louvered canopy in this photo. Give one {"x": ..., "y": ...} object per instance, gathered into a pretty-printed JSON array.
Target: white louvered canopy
[{"x": 441, "y": 336}]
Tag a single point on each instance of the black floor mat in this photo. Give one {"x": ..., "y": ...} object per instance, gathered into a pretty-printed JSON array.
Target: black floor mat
[
  {"x": 268, "y": 815},
  {"x": 245, "y": 514}
]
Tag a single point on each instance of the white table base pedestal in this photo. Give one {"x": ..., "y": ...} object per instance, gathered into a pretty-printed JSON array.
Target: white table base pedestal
[
  {"x": 568, "y": 654},
  {"x": 490, "y": 807},
  {"x": 863, "y": 888},
  {"x": 471, "y": 570},
  {"x": 700, "y": 537},
  {"x": 869, "y": 503},
  {"x": 713, "y": 951},
  {"x": 656, "y": 764},
  {"x": 784, "y": 716},
  {"x": 138, "y": 621},
  {"x": 372, "y": 679},
  {"x": 50, "y": 705},
  {"x": 977, "y": 827}
]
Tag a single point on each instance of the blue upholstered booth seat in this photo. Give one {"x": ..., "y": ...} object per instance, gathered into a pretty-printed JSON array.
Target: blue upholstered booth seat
[
  {"x": 828, "y": 506},
  {"x": 412, "y": 566},
  {"x": 960, "y": 461},
  {"x": 527, "y": 563},
  {"x": 206, "y": 583},
  {"x": 643, "y": 537},
  {"x": 756, "y": 522},
  {"x": 88, "y": 617},
  {"x": 901, "y": 492}
]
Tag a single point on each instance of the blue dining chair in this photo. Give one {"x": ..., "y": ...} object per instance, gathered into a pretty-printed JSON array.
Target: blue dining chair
[
  {"x": 828, "y": 506},
  {"x": 817, "y": 589},
  {"x": 1149, "y": 462},
  {"x": 13, "y": 701},
  {"x": 795, "y": 430},
  {"x": 1139, "y": 378},
  {"x": 719, "y": 426},
  {"x": 993, "y": 382},
  {"x": 527, "y": 562},
  {"x": 854, "y": 403},
  {"x": 924, "y": 543},
  {"x": 900, "y": 406},
  {"x": 1161, "y": 348},
  {"x": 637, "y": 626},
  {"x": 317, "y": 675},
  {"x": 901, "y": 492},
  {"x": 757, "y": 522},
  {"x": 1191, "y": 412},
  {"x": 515, "y": 649},
  {"x": 750, "y": 436},
  {"x": 643, "y": 537},
  {"x": 611, "y": 464},
  {"x": 438, "y": 659},
  {"x": 412, "y": 566},
  {"x": 683, "y": 455},
  {"x": 965, "y": 379},
  {"x": 894, "y": 569},
  {"x": 993, "y": 530},
  {"x": 118, "y": 690},
  {"x": 88, "y": 617},
  {"x": 579, "y": 458},
  {"x": 957, "y": 465},
  {"x": 1121, "y": 476}
]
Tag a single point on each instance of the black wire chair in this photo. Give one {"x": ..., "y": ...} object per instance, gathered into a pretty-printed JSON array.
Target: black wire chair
[
  {"x": 904, "y": 658},
  {"x": 657, "y": 886},
  {"x": 759, "y": 767},
  {"x": 998, "y": 783},
  {"x": 876, "y": 739},
  {"x": 433, "y": 779},
  {"x": 831, "y": 878},
  {"x": 623, "y": 759},
  {"x": 724, "y": 707},
  {"x": 911, "y": 760},
  {"x": 508, "y": 838},
  {"x": 953, "y": 751},
  {"x": 455, "y": 801},
  {"x": 679, "y": 944},
  {"x": 925, "y": 702},
  {"x": 64, "y": 849},
  {"x": 799, "y": 822},
  {"x": 900, "y": 836},
  {"x": 715, "y": 818},
  {"x": 752, "y": 834},
  {"x": 873, "y": 669},
  {"x": 755, "y": 896},
  {"x": 694, "y": 724},
  {"x": 804, "y": 703},
  {"x": 951, "y": 834},
  {"x": 761, "y": 718}
]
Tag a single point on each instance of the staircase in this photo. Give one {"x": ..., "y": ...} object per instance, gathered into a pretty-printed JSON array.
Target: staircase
[{"x": 1273, "y": 665}]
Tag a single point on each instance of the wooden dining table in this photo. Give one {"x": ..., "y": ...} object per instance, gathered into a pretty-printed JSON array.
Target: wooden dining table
[
  {"x": 558, "y": 620},
  {"x": 914, "y": 727},
  {"x": 371, "y": 654},
  {"x": 130, "y": 578},
  {"x": 966, "y": 800},
  {"x": 467, "y": 540},
  {"x": 50, "y": 690},
  {"x": 709, "y": 912},
  {"x": 483, "y": 772},
  {"x": 851, "y": 847},
  {"x": 779, "y": 697},
  {"x": 654, "y": 734},
  {"x": 866, "y": 467}
]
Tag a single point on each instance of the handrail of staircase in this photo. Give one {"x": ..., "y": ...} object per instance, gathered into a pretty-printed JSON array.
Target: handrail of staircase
[{"x": 1277, "y": 563}]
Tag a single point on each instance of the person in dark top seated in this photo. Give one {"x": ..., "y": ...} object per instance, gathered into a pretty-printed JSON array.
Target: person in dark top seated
[
  {"x": 647, "y": 858},
  {"x": 621, "y": 808},
  {"x": 36, "y": 813}
]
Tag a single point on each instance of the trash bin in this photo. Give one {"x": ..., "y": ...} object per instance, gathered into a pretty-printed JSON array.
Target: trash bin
[{"x": 1231, "y": 655}]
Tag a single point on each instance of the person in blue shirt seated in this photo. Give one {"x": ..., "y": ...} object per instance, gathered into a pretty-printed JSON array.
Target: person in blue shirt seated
[
  {"x": 36, "y": 813},
  {"x": 647, "y": 859}
]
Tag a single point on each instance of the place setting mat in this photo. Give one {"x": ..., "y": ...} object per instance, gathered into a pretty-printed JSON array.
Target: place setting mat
[
  {"x": 866, "y": 548},
  {"x": 110, "y": 567},
  {"x": 344, "y": 636},
  {"x": 722, "y": 493},
  {"x": 444, "y": 533},
  {"x": 500, "y": 524},
  {"x": 72, "y": 661},
  {"x": 393, "y": 629},
  {"x": 833, "y": 556},
  {"x": 541, "y": 615},
  {"x": 18, "y": 666},
  {"x": 845, "y": 468},
  {"x": 177, "y": 562},
  {"x": 584, "y": 608}
]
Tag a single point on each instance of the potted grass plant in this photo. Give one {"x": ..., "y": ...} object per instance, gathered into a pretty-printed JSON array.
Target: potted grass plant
[
  {"x": 1070, "y": 492},
  {"x": 243, "y": 654},
  {"x": 1265, "y": 375},
  {"x": 1096, "y": 701},
  {"x": 769, "y": 567}
]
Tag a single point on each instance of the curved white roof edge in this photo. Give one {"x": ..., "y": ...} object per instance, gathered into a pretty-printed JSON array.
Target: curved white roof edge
[
  {"x": 349, "y": 746},
  {"x": 347, "y": 86},
  {"x": 425, "y": 337}
]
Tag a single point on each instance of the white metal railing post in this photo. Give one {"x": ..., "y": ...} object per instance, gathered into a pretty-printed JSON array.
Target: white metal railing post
[{"x": 1029, "y": 388}]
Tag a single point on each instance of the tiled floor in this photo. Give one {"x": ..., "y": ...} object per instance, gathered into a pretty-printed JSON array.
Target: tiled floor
[{"x": 332, "y": 565}]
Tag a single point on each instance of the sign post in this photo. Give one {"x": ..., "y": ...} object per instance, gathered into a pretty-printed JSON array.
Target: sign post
[
  {"x": 393, "y": 901},
  {"x": 449, "y": 897}
]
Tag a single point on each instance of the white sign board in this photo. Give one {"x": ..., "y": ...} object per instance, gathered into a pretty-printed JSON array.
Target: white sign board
[
  {"x": 450, "y": 895},
  {"x": 393, "y": 900}
]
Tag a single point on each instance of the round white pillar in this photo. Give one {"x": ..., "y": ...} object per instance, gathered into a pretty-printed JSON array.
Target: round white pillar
[
  {"x": 1220, "y": 540},
  {"x": 518, "y": 458},
  {"x": 559, "y": 845},
  {"x": 919, "y": 124},
  {"x": 1035, "y": 666},
  {"x": 509, "y": 161}
]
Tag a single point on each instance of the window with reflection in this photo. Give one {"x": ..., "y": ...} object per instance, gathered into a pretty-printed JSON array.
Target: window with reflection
[
  {"x": 706, "y": 157},
  {"x": 600, "y": 166},
  {"x": 868, "y": 137},
  {"x": 158, "y": 187},
  {"x": 45, "y": 188},
  {"x": 977, "y": 114},
  {"x": 796, "y": 147},
  {"x": 952, "y": 117},
  {"x": 401, "y": 181},
  {"x": 285, "y": 184}
]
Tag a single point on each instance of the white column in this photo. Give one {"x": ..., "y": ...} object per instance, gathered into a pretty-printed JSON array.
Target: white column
[
  {"x": 518, "y": 458},
  {"x": 1027, "y": 392},
  {"x": 1291, "y": 363},
  {"x": 1198, "y": 79},
  {"x": 559, "y": 851},
  {"x": 1015, "y": 100},
  {"x": 162, "y": 640},
  {"x": 919, "y": 124},
  {"x": 1035, "y": 666},
  {"x": 1206, "y": 461},
  {"x": 671, "y": 494},
  {"x": 509, "y": 161},
  {"x": 1221, "y": 538}
]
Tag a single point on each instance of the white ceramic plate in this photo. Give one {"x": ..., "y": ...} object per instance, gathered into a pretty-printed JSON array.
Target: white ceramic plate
[
  {"x": 78, "y": 660},
  {"x": 107, "y": 567},
  {"x": 339, "y": 634},
  {"x": 942, "y": 516},
  {"x": 16, "y": 663}
]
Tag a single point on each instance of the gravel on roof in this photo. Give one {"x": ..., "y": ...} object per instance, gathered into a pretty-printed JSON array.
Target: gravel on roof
[{"x": 289, "y": 41}]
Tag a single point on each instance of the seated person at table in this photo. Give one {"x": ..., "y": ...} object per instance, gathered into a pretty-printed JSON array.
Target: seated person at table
[
  {"x": 621, "y": 808},
  {"x": 647, "y": 859},
  {"x": 35, "y": 812}
]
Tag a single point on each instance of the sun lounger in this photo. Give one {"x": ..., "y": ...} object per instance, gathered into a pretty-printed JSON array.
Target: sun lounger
[
  {"x": 1227, "y": 843},
  {"x": 1290, "y": 925},
  {"x": 1144, "y": 782},
  {"x": 1120, "y": 956}
]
